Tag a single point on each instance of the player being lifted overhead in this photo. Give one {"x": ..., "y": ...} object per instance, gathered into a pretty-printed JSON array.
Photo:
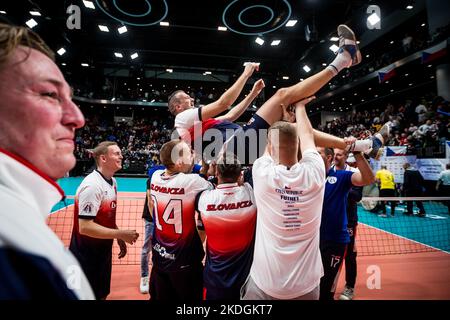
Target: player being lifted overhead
[{"x": 182, "y": 106}]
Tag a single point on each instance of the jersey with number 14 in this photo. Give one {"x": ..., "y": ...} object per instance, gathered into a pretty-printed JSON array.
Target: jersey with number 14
[{"x": 176, "y": 243}]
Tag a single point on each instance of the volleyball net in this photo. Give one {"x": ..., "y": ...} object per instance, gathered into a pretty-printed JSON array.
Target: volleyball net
[{"x": 402, "y": 229}]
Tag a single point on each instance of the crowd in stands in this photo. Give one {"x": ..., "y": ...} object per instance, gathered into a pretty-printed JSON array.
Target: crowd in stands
[
  {"x": 384, "y": 55},
  {"x": 146, "y": 90},
  {"x": 140, "y": 141},
  {"x": 423, "y": 127}
]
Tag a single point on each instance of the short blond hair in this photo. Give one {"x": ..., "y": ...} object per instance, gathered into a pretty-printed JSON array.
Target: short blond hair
[
  {"x": 287, "y": 133},
  {"x": 102, "y": 149},
  {"x": 165, "y": 153},
  {"x": 11, "y": 37}
]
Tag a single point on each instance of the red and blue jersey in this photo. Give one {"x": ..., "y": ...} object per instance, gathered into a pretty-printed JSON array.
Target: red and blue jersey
[
  {"x": 228, "y": 214},
  {"x": 176, "y": 243},
  {"x": 191, "y": 127}
]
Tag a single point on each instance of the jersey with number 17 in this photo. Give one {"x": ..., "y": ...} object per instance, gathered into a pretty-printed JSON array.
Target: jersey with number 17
[{"x": 176, "y": 243}]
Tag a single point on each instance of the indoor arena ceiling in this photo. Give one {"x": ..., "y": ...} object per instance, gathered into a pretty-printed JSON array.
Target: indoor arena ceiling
[{"x": 192, "y": 38}]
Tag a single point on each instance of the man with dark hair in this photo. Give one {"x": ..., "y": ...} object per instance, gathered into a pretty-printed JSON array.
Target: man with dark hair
[
  {"x": 342, "y": 161},
  {"x": 37, "y": 126},
  {"x": 94, "y": 226},
  {"x": 228, "y": 214},
  {"x": 413, "y": 183},
  {"x": 334, "y": 235}
]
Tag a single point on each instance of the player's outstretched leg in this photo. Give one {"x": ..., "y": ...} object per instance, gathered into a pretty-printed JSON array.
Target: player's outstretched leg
[{"x": 348, "y": 55}]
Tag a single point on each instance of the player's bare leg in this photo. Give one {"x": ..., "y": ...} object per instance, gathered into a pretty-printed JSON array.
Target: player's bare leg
[{"x": 348, "y": 55}]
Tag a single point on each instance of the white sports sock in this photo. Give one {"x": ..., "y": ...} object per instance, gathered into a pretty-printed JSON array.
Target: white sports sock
[
  {"x": 342, "y": 60},
  {"x": 360, "y": 146}
]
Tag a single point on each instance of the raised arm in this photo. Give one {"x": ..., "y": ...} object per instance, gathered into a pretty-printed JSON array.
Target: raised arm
[
  {"x": 239, "y": 109},
  {"x": 229, "y": 97},
  {"x": 365, "y": 174},
  {"x": 304, "y": 128}
]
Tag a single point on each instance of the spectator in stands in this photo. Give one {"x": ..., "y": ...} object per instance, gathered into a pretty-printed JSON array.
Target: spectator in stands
[
  {"x": 443, "y": 184},
  {"x": 403, "y": 141},
  {"x": 385, "y": 180},
  {"x": 409, "y": 110},
  {"x": 421, "y": 111},
  {"x": 412, "y": 187},
  {"x": 407, "y": 43},
  {"x": 426, "y": 127},
  {"x": 412, "y": 128}
]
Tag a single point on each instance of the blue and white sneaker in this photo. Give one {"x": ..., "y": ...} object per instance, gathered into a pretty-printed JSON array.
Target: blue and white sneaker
[
  {"x": 379, "y": 140},
  {"x": 347, "y": 42}
]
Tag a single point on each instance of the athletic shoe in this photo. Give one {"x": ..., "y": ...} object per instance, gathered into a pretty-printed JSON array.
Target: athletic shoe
[
  {"x": 378, "y": 141},
  {"x": 383, "y": 215},
  {"x": 422, "y": 214},
  {"x": 144, "y": 286},
  {"x": 347, "y": 42},
  {"x": 347, "y": 294}
]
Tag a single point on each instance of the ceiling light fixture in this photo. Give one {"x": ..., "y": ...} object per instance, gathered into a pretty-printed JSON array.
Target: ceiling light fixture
[
  {"x": 31, "y": 23},
  {"x": 275, "y": 42},
  {"x": 334, "y": 48},
  {"x": 291, "y": 23},
  {"x": 89, "y": 4},
  {"x": 122, "y": 29},
  {"x": 103, "y": 28},
  {"x": 259, "y": 41},
  {"x": 373, "y": 19}
]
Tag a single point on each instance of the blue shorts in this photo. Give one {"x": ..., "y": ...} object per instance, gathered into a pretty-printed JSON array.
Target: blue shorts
[{"x": 249, "y": 142}]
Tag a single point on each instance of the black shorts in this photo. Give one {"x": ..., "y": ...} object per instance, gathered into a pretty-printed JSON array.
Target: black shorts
[
  {"x": 98, "y": 271},
  {"x": 249, "y": 142},
  {"x": 185, "y": 285}
]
